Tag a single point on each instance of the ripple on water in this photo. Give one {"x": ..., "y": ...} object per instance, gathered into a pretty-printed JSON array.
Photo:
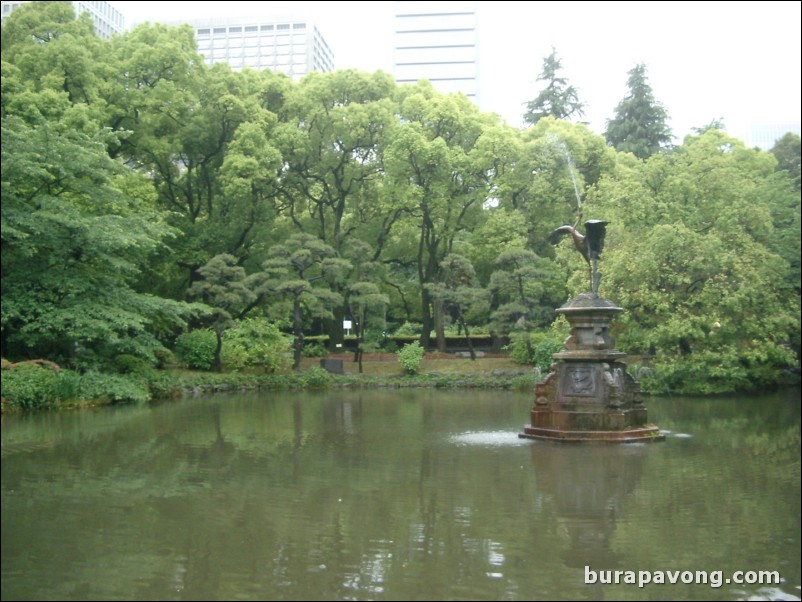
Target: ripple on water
[{"x": 488, "y": 438}]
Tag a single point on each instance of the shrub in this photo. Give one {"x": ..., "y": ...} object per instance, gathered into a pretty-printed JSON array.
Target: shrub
[
  {"x": 196, "y": 348},
  {"x": 164, "y": 357},
  {"x": 104, "y": 388},
  {"x": 316, "y": 377},
  {"x": 544, "y": 345},
  {"x": 410, "y": 357},
  {"x": 163, "y": 385},
  {"x": 130, "y": 364},
  {"x": 67, "y": 386},
  {"x": 257, "y": 342},
  {"x": 314, "y": 349},
  {"x": 377, "y": 340},
  {"x": 519, "y": 352},
  {"x": 409, "y": 329},
  {"x": 234, "y": 356},
  {"x": 28, "y": 386}
]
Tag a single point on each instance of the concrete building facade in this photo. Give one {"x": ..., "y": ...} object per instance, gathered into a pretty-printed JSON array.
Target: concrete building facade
[
  {"x": 108, "y": 20},
  {"x": 437, "y": 41},
  {"x": 288, "y": 45}
]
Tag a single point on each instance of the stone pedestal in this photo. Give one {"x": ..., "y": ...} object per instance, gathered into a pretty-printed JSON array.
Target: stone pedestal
[{"x": 589, "y": 396}]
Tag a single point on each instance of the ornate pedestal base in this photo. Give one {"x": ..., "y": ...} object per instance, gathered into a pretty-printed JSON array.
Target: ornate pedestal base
[{"x": 589, "y": 396}]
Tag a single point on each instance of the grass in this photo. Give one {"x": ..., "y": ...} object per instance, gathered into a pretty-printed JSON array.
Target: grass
[{"x": 387, "y": 365}]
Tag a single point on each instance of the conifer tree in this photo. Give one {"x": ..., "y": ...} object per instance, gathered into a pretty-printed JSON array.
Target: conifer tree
[
  {"x": 558, "y": 99},
  {"x": 640, "y": 123}
]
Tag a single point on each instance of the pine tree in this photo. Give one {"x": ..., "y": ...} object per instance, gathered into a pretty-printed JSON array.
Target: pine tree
[
  {"x": 558, "y": 100},
  {"x": 639, "y": 126}
]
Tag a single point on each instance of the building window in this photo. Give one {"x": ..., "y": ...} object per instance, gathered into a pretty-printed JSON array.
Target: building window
[
  {"x": 204, "y": 32},
  {"x": 299, "y": 25},
  {"x": 219, "y": 30},
  {"x": 235, "y": 30},
  {"x": 267, "y": 28},
  {"x": 283, "y": 26}
]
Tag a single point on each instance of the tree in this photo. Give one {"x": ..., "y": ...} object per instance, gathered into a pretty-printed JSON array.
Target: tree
[
  {"x": 438, "y": 166},
  {"x": 558, "y": 162},
  {"x": 205, "y": 137},
  {"x": 789, "y": 156},
  {"x": 640, "y": 123},
  {"x": 335, "y": 127},
  {"x": 503, "y": 230},
  {"x": 558, "y": 100},
  {"x": 79, "y": 228},
  {"x": 303, "y": 270},
  {"x": 458, "y": 291},
  {"x": 77, "y": 231},
  {"x": 526, "y": 288},
  {"x": 699, "y": 253},
  {"x": 223, "y": 286},
  {"x": 364, "y": 298}
]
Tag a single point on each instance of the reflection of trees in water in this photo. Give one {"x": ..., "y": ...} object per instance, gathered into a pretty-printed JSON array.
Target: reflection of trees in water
[{"x": 310, "y": 497}]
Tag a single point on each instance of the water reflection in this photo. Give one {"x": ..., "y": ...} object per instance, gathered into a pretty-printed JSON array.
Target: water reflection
[
  {"x": 589, "y": 487},
  {"x": 389, "y": 495}
]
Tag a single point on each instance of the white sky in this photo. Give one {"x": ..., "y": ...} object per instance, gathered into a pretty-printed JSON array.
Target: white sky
[{"x": 739, "y": 61}]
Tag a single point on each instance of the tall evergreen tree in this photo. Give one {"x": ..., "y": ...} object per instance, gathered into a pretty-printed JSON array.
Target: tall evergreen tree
[
  {"x": 558, "y": 99},
  {"x": 640, "y": 123}
]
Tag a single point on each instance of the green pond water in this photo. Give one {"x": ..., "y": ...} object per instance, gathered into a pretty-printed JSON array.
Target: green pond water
[{"x": 397, "y": 495}]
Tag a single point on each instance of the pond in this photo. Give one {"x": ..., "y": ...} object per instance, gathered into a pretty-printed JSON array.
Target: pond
[{"x": 398, "y": 495}]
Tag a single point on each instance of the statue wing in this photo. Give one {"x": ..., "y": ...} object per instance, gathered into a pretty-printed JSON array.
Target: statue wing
[
  {"x": 557, "y": 234},
  {"x": 580, "y": 242}
]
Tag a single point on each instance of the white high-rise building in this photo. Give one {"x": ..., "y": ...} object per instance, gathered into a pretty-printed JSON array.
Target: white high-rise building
[
  {"x": 437, "y": 41},
  {"x": 291, "y": 46},
  {"x": 766, "y": 135},
  {"x": 108, "y": 20}
]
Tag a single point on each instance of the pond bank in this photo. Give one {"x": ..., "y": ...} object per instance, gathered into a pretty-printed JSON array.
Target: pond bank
[{"x": 36, "y": 387}]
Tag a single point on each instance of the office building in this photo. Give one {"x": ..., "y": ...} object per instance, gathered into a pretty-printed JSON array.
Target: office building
[
  {"x": 108, "y": 20},
  {"x": 437, "y": 41},
  {"x": 766, "y": 135},
  {"x": 291, "y": 46}
]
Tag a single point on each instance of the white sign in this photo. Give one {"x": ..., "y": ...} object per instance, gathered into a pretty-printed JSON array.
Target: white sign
[{"x": 347, "y": 324}]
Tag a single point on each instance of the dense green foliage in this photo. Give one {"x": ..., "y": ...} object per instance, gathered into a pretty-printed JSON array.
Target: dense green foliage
[
  {"x": 29, "y": 386},
  {"x": 146, "y": 195},
  {"x": 700, "y": 255},
  {"x": 788, "y": 152}
]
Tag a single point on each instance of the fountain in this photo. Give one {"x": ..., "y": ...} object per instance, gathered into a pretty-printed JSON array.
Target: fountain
[{"x": 589, "y": 396}]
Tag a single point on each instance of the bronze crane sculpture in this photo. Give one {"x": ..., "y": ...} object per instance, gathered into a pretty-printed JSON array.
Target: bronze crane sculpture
[{"x": 589, "y": 244}]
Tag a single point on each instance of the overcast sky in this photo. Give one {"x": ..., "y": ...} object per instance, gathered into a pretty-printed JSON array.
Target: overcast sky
[{"x": 739, "y": 61}]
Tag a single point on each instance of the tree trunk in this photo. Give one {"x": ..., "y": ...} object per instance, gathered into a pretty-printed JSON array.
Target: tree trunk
[
  {"x": 439, "y": 325},
  {"x": 217, "y": 365},
  {"x": 426, "y": 319},
  {"x": 467, "y": 336},
  {"x": 298, "y": 332},
  {"x": 334, "y": 328}
]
